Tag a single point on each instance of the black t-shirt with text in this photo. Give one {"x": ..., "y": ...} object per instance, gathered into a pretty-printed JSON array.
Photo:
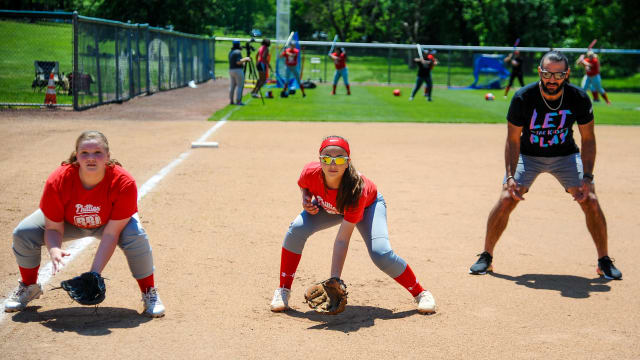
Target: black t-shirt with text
[{"x": 547, "y": 132}]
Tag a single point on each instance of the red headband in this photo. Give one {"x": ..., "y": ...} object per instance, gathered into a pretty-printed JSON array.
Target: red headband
[{"x": 335, "y": 141}]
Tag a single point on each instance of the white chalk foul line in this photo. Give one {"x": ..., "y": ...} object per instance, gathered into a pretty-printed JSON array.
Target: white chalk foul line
[{"x": 76, "y": 247}]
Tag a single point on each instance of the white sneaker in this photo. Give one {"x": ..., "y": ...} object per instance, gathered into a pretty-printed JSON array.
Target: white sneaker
[
  {"x": 22, "y": 296},
  {"x": 410, "y": 98},
  {"x": 280, "y": 300},
  {"x": 426, "y": 303},
  {"x": 153, "y": 306}
]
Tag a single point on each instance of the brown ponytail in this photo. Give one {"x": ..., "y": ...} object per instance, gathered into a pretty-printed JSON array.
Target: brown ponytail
[
  {"x": 350, "y": 189},
  {"x": 90, "y": 135}
]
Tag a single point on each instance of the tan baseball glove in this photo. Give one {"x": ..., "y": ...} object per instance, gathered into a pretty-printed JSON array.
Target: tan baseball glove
[{"x": 327, "y": 297}]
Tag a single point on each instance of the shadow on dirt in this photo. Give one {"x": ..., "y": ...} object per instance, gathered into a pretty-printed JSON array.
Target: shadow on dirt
[
  {"x": 89, "y": 321},
  {"x": 568, "y": 285},
  {"x": 352, "y": 319}
]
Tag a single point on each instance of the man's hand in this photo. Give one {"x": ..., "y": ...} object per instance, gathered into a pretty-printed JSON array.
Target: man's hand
[
  {"x": 57, "y": 256},
  {"x": 514, "y": 189},
  {"x": 583, "y": 191}
]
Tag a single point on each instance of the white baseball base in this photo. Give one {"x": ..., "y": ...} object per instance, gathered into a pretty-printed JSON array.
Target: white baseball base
[{"x": 199, "y": 144}]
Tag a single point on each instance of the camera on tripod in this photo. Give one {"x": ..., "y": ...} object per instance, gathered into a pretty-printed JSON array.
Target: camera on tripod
[{"x": 247, "y": 46}]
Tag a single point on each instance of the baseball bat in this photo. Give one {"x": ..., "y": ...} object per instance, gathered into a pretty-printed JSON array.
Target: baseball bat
[
  {"x": 333, "y": 45},
  {"x": 515, "y": 44},
  {"x": 419, "y": 51},
  {"x": 289, "y": 39},
  {"x": 592, "y": 44}
]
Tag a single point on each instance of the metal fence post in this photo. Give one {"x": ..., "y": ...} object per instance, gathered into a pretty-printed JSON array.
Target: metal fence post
[
  {"x": 139, "y": 83},
  {"x": 183, "y": 45},
  {"x": 213, "y": 60},
  {"x": 117, "y": 59},
  {"x": 160, "y": 66},
  {"x": 324, "y": 60},
  {"x": 75, "y": 79},
  {"x": 389, "y": 67},
  {"x": 98, "y": 72},
  {"x": 146, "y": 67},
  {"x": 130, "y": 61},
  {"x": 449, "y": 69}
]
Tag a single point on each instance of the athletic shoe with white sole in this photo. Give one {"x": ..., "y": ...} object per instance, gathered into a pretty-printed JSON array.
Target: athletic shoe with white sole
[
  {"x": 426, "y": 302},
  {"x": 482, "y": 265},
  {"x": 22, "y": 296},
  {"x": 280, "y": 300},
  {"x": 153, "y": 306},
  {"x": 607, "y": 269}
]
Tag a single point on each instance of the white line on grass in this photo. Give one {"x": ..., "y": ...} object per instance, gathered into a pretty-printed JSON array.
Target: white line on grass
[{"x": 77, "y": 246}]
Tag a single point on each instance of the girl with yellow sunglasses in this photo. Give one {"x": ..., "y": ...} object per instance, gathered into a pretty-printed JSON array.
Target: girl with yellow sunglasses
[{"x": 334, "y": 193}]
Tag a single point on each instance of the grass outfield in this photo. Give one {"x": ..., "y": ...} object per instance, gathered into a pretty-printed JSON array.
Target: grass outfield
[{"x": 376, "y": 103}]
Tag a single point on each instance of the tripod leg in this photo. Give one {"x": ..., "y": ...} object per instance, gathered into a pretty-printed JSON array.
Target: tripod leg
[{"x": 252, "y": 73}]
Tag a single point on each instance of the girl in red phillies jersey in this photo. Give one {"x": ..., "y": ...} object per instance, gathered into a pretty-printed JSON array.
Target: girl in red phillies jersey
[
  {"x": 90, "y": 194},
  {"x": 334, "y": 193}
]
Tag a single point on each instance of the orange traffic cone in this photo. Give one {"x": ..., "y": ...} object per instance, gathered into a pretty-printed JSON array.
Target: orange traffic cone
[{"x": 50, "y": 97}]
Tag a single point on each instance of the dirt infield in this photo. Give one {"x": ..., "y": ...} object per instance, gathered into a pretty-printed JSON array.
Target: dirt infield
[{"x": 217, "y": 221}]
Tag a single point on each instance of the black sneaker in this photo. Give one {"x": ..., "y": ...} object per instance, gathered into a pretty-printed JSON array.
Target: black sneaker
[
  {"x": 482, "y": 265},
  {"x": 607, "y": 269}
]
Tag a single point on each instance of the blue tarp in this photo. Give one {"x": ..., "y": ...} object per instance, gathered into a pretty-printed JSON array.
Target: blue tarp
[{"x": 489, "y": 64}]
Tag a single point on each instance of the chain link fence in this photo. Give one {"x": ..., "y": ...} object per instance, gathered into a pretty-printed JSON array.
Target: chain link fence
[
  {"x": 94, "y": 61},
  {"x": 393, "y": 63}
]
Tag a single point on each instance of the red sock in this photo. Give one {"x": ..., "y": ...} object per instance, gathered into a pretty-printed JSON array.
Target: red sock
[
  {"x": 288, "y": 264},
  {"x": 146, "y": 283},
  {"x": 409, "y": 281},
  {"x": 29, "y": 276}
]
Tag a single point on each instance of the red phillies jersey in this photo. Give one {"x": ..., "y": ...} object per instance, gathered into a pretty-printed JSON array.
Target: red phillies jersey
[
  {"x": 341, "y": 61},
  {"x": 594, "y": 67},
  {"x": 64, "y": 197},
  {"x": 291, "y": 56},
  {"x": 311, "y": 179}
]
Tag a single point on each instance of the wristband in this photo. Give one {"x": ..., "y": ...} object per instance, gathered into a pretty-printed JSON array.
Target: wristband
[
  {"x": 510, "y": 177},
  {"x": 588, "y": 176}
]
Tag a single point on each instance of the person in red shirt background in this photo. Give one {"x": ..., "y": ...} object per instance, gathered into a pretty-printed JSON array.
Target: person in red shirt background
[
  {"x": 290, "y": 56},
  {"x": 333, "y": 193},
  {"x": 591, "y": 65},
  {"x": 90, "y": 194},
  {"x": 339, "y": 58}
]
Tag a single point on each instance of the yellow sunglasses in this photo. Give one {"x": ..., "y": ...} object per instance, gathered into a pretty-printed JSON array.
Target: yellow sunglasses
[{"x": 339, "y": 160}]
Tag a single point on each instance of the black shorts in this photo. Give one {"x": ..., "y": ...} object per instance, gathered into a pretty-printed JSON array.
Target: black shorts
[{"x": 262, "y": 67}]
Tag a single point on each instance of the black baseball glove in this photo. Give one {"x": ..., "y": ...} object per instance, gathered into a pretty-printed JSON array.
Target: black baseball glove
[{"x": 86, "y": 289}]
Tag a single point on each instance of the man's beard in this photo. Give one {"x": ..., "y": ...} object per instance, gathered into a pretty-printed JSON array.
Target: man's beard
[{"x": 552, "y": 92}]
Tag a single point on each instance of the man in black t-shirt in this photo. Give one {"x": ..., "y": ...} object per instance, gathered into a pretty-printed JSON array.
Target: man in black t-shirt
[
  {"x": 540, "y": 139},
  {"x": 516, "y": 69}
]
